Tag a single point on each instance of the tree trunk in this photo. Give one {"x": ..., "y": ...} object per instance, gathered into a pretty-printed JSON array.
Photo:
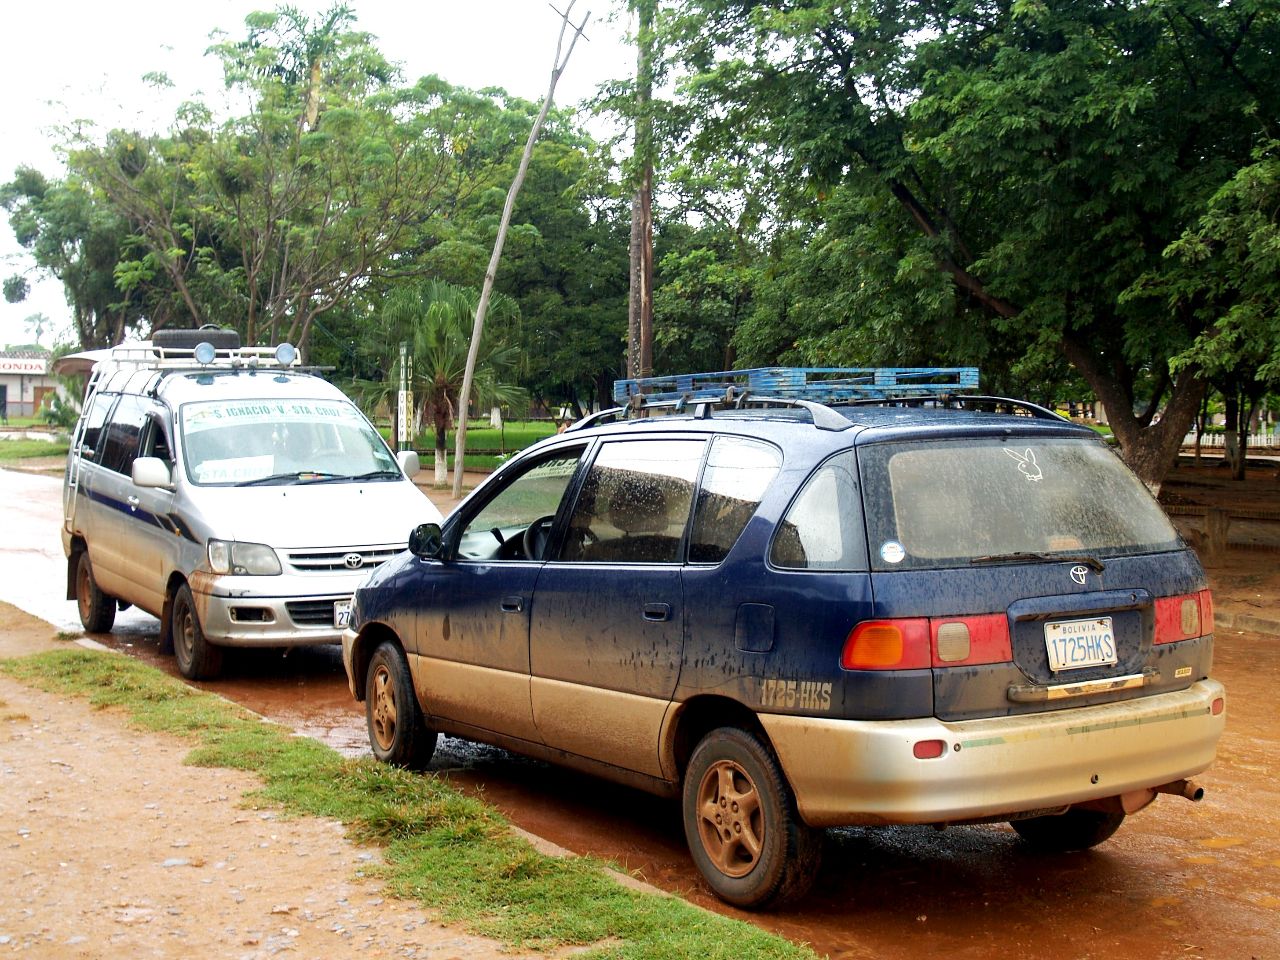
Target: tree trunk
[
  {"x": 442, "y": 453},
  {"x": 640, "y": 303},
  {"x": 1149, "y": 448},
  {"x": 1231, "y": 431}
]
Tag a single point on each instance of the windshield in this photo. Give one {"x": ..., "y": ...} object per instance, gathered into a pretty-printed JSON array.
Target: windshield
[
  {"x": 945, "y": 504},
  {"x": 242, "y": 441}
]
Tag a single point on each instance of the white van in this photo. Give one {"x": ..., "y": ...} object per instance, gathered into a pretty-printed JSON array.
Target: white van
[{"x": 230, "y": 493}]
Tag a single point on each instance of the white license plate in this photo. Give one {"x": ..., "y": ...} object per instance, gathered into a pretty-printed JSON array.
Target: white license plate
[
  {"x": 341, "y": 613},
  {"x": 1073, "y": 644}
]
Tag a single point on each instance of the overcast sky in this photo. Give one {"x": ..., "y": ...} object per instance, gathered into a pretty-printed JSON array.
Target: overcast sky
[{"x": 69, "y": 60}]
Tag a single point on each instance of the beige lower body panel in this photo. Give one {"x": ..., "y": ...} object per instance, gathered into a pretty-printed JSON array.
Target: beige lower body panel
[
  {"x": 479, "y": 696},
  {"x": 847, "y": 772},
  {"x": 621, "y": 729}
]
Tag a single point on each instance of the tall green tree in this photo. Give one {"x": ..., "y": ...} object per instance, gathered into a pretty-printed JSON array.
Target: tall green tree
[{"x": 1039, "y": 157}]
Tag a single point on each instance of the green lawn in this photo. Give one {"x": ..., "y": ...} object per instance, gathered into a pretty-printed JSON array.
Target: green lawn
[{"x": 26, "y": 449}]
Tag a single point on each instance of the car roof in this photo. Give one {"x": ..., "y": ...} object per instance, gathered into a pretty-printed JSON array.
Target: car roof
[
  {"x": 867, "y": 423},
  {"x": 177, "y": 387}
]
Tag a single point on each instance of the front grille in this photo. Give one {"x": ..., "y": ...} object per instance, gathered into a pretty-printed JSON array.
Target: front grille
[
  {"x": 311, "y": 613},
  {"x": 334, "y": 559}
]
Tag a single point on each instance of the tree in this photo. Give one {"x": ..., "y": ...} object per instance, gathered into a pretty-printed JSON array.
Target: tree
[
  {"x": 1038, "y": 156},
  {"x": 435, "y": 318}
]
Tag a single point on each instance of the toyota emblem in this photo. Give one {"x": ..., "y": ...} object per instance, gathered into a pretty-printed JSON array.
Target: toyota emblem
[
  {"x": 1079, "y": 574},
  {"x": 354, "y": 561}
]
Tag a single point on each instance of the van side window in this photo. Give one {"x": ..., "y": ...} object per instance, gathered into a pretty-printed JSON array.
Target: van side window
[
  {"x": 123, "y": 435},
  {"x": 635, "y": 502},
  {"x": 94, "y": 418},
  {"x": 738, "y": 473},
  {"x": 823, "y": 526},
  {"x": 155, "y": 439}
]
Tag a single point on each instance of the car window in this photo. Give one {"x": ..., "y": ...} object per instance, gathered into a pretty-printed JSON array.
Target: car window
[
  {"x": 634, "y": 502},
  {"x": 243, "y": 441},
  {"x": 939, "y": 504},
  {"x": 99, "y": 407},
  {"x": 495, "y": 532},
  {"x": 822, "y": 530},
  {"x": 123, "y": 434},
  {"x": 738, "y": 472}
]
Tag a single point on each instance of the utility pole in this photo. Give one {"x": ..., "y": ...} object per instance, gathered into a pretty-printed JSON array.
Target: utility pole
[
  {"x": 640, "y": 301},
  {"x": 464, "y": 399}
]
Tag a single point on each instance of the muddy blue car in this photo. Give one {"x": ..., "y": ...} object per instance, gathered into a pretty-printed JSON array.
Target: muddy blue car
[{"x": 885, "y": 606}]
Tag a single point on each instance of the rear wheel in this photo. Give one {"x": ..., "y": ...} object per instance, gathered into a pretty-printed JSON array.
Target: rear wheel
[
  {"x": 398, "y": 732},
  {"x": 198, "y": 659},
  {"x": 742, "y": 826},
  {"x": 1074, "y": 830},
  {"x": 97, "y": 610}
]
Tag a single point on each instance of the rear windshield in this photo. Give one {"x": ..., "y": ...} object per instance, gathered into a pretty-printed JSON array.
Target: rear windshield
[
  {"x": 243, "y": 441},
  {"x": 942, "y": 504}
]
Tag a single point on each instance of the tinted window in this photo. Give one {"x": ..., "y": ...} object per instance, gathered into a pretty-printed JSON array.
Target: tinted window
[
  {"x": 635, "y": 502},
  {"x": 943, "y": 504},
  {"x": 823, "y": 528},
  {"x": 96, "y": 416},
  {"x": 737, "y": 474},
  {"x": 123, "y": 433}
]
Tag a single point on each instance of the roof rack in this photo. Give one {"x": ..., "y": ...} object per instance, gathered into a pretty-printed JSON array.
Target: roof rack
[
  {"x": 824, "y": 418},
  {"x": 820, "y": 384},
  {"x": 146, "y": 355},
  {"x": 997, "y": 404}
]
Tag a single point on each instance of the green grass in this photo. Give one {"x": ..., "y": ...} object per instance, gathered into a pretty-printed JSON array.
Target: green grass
[
  {"x": 27, "y": 449},
  {"x": 449, "y": 852}
]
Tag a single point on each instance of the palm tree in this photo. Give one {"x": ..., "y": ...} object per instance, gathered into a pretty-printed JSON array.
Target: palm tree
[{"x": 435, "y": 318}]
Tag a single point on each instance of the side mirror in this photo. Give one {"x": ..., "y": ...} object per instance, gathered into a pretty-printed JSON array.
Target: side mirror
[
  {"x": 426, "y": 541},
  {"x": 152, "y": 472},
  {"x": 409, "y": 463}
]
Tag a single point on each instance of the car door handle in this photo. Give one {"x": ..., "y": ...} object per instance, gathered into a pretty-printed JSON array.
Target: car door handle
[
  {"x": 512, "y": 604},
  {"x": 657, "y": 612},
  {"x": 133, "y": 502}
]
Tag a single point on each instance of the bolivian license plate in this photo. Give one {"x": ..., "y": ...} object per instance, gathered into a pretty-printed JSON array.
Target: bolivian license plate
[
  {"x": 1073, "y": 644},
  {"x": 341, "y": 613}
]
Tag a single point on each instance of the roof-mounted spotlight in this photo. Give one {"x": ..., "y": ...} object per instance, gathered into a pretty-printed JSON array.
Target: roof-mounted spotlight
[
  {"x": 286, "y": 353},
  {"x": 205, "y": 353}
]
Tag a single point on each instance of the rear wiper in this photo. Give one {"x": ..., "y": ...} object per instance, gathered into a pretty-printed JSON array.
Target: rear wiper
[
  {"x": 1093, "y": 563},
  {"x": 371, "y": 475}
]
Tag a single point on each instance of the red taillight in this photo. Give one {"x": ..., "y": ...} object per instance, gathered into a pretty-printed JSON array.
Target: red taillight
[
  {"x": 887, "y": 645},
  {"x": 962, "y": 641},
  {"x": 1183, "y": 617}
]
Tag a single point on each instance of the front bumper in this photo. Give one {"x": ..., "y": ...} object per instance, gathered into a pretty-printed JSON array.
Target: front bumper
[
  {"x": 235, "y": 612},
  {"x": 847, "y": 772}
]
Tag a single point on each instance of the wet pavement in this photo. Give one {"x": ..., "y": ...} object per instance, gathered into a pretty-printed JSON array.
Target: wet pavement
[{"x": 1179, "y": 880}]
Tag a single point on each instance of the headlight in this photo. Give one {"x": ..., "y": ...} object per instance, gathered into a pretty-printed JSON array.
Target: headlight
[{"x": 232, "y": 556}]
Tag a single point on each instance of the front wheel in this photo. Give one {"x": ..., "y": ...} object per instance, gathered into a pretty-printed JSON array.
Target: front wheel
[
  {"x": 398, "y": 733},
  {"x": 742, "y": 826},
  {"x": 1074, "y": 830},
  {"x": 198, "y": 659},
  {"x": 97, "y": 610}
]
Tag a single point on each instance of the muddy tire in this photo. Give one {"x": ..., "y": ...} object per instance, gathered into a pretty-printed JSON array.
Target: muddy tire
[
  {"x": 398, "y": 732},
  {"x": 1073, "y": 830},
  {"x": 198, "y": 659},
  {"x": 742, "y": 826},
  {"x": 97, "y": 609}
]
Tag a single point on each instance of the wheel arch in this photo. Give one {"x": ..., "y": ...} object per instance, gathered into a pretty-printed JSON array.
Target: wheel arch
[
  {"x": 697, "y": 717},
  {"x": 371, "y": 636},
  {"x": 78, "y": 546}
]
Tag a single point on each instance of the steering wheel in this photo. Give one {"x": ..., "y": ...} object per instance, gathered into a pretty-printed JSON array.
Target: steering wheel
[{"x": 534, "y": 538}]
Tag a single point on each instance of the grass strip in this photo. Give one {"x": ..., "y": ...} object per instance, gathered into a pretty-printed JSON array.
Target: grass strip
[
  {"x": 30, "y": 449},
  {"x": 447, "y": 851}
]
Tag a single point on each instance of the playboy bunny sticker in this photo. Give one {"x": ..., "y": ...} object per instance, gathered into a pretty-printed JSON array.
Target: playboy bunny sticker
[{"x": 1027, "y": 465}]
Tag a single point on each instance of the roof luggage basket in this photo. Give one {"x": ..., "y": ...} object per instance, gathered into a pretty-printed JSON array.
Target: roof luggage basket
[{"x": 819, "y": 384}]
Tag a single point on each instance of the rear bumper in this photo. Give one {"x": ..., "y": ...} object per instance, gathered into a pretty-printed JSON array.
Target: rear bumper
[{"x": 848, "y": 772}]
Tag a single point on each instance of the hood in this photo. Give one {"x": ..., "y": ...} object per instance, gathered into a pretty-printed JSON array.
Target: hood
[{"x": 315, "y": 515}]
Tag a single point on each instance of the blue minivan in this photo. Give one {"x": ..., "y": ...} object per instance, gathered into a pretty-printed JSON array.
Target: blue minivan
[{"x": 935, "y": 609}]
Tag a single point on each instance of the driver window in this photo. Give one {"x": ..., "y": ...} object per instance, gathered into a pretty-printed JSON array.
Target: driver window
[{"x": 497, "y": 532}]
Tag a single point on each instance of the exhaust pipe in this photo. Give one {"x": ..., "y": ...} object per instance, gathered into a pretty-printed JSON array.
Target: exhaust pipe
[{"x": 1182, "y": 788}]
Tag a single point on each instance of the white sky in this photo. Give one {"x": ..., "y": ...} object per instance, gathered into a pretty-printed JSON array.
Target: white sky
[{"x": 83, "y": 59}]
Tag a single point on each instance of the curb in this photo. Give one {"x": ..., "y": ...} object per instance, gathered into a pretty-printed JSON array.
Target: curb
[{"x": 1245, "y": 621}]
